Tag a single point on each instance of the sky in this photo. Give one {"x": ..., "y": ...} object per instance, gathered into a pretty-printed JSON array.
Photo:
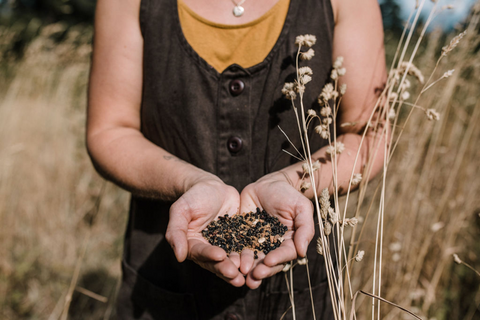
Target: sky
[{"x": 446, "y": 19}]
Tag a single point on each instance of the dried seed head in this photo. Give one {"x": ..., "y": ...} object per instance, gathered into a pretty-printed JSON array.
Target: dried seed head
[
  {"x": 449, "y": 73},
  {"x": 311, "y": 113},
  {"x": 332, "y": 215},
  {"x": 457, "y": 259},
  {"x": 341, "y": 71},
  {"x": 307, "y": 55},
  {"x": 453, "y": 43},
  {"x": 324, "y": 203},
  {"x": 357, "y": 178},
  {"x": 432, "y": 114},
  {"x": 338, "y": 147},
  {"x": 350, "y": 222},
  {"x": 305, "y": 186},
  {"x": 437, "y": 226},
  {"x": 306, "y": 167},
  {"x": 395, "y": 246},
  {"x": 343, "y": 89},
  {"x": 318, "y": 129},
  {"x": 302, "y": 261},
  {"x": 327, "y": 228},
  {"x": 287, "y": 267},
  {"x": 359, "y": 255},
  {"x": 319, "y": 246},
  {"x": 391, "y": 114},
  {"x": 405, "y": 95},
  {"x": 412, "y": 70}
]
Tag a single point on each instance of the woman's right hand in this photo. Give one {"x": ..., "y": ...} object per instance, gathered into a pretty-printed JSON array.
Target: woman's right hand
[{"x": 206, "y": 198}]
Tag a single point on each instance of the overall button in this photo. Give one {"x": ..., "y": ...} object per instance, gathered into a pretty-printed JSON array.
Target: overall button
[
  {"x": 236, "y": 87},
  {"x": 234, "y": 144},
  {"x": 231, "y": 316}
]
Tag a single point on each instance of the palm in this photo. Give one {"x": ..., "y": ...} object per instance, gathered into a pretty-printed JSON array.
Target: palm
[{"x": 280, "y": 200}]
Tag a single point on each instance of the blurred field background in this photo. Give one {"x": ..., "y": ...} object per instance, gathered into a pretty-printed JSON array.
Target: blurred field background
[{"x": 61, "y": 225}]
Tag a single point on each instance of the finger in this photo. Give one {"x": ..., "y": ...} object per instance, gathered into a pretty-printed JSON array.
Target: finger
[
  {"x": 238, "y": 281},
  {"x": 283, "y": 254},
  {"x": 200, "y": 251},
  {"x": 176, "y": 234},
  {"x": 248, "y": 200},
  {"x": 247, "y": 260},
  {"x": 304, "y": 228},
  {"x": 235, "y": 257},
  {"x": 262, "y": 271},
  {"x": 225, "y": 269}
]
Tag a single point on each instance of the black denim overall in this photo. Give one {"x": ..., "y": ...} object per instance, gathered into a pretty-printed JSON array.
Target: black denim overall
[{"x": 226, "y": 124}]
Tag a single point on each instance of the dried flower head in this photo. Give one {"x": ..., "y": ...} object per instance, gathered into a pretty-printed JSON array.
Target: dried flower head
[
  {"x": 289, "y": 90},
  {"x": 308, "y": 55},
  {"x": 311, "y": 113},
  {"x": 341, "y": 71},
  {"x": 307, "y": 40},
  {"x": 302, "y": 261},
  {"x": 326, "y": 111},
  {"x": 405, "y": 95},
  {"x": 287, "y": 267},
  {"x": 457, "y": 259},
  {"x": 305, "y": 70},
  {"x": 432, "y": 114},
  {"x": 343, "y": 89},
  {"x": 453, "y": 43},
  {"x": 359, "y": 255},
  {"x": 338, "y": 147},
  {"x": 357, "y": 178},
  {"x": 306, "y": 167},
  {"x": 338, "y": 62},
  {"x": 334, "y": 74}
]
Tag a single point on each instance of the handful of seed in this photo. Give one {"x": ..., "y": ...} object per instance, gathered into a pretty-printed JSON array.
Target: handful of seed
[{"x": 257, "y": 231}]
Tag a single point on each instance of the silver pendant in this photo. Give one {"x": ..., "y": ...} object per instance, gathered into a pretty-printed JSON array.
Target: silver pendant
[{"x": 238, "y": 11}]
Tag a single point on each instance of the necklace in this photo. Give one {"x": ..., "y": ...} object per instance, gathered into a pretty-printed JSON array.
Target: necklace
[{"x": 238, "y": 10}]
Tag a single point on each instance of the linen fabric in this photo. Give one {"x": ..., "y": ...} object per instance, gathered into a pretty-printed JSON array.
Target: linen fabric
[{"x": 209, "y": 119}]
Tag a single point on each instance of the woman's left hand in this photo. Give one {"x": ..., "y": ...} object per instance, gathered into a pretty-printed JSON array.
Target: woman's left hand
[{"x": 274, "y": 194}]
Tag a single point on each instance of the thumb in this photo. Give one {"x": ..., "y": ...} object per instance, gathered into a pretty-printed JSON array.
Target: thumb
[{"x": 176, "y": 234}]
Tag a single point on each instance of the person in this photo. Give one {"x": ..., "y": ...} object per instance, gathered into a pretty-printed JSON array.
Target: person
[{"x": 190, "y": 128}]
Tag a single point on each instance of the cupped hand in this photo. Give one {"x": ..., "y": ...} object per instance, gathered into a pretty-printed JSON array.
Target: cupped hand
[
  {"x": 274, "y": 194},
  {"x": 205, "y": 200}
]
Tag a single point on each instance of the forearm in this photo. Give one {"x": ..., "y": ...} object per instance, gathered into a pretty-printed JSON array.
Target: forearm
[
  {"x": 373, "y": 146},
  {"x": 126, "y": 157}
]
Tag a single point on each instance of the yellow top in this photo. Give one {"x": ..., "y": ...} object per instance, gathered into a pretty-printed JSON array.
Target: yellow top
[{"x": 222, "y": 45}]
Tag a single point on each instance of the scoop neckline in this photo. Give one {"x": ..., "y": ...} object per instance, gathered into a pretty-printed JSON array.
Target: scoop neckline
[
  {"x": 231, "y": 26},
  {"x": 292, "y": 8}
]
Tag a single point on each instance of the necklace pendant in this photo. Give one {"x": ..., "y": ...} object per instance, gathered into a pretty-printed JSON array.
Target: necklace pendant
[{"x": 238, "y": 11}]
